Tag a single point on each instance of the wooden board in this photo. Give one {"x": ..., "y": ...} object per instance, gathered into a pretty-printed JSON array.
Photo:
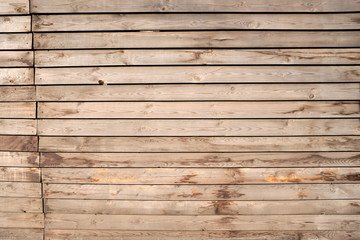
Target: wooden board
[
  {"x": 10, "y": 7},
  {"x": 195, "y": 57},
  {"x": 220, "y": 222},
  {"x": 187, "y": 92},
  {"x": 23, "y": 234},
  {"x": 16, "y": 76},
  {"x": 17, "y": 93},
  {"x": 20, "y": 189},
  {"x": 199, "y": 176},
  {"x": 197, "y": 74},
  {"x": 12, "y": 174},
  {"x": 15, "y": 23},
  {"x": 18, "y": 143},
  {"x": 19, "y": 159},
  {"x": 203, "y": 39},
  {"x": 23, "y": 205},
  {"x": 15, "y": 41},
  {"x": 118, "y": 207},
  {"x": 67, "y": 6},
  {"x": 21, "y": 220},
  {"x": 18, "y": 126},
  {"x": 198, "y": 109},
  {"x": 16, "y": 58},
  {"x": 204, "y": 192},
  {"x": 313, "y": 159},
  {"x": 17, "y": 109},
  {"x": 120, "y": 22}
]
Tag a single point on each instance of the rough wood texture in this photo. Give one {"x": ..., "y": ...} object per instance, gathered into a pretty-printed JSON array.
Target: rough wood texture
[
  {"x": 13, "y": 7},
  {"x": 16, "y": 58},
  {"x": 17, "y": 93},
  {"x": 19, "y": 159},
  {"x": 15, "y": 41},
  {"x": 15, "y": 23},
  {"x": 16, "y": 76},
  {"x": 20, "y": 189},
  {"x": 17, "y": 109},
  {"x": 23, "y": 205},
  {"x": 18, "y": 126},
  {"x": 19, "y": 174},
  {"x": 23, "y": 234},
  {"x": 18, "y": 143},
  {"x": 21, "y": 220}
]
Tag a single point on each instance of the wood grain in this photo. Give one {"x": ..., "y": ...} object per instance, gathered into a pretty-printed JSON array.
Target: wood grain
[
  {"x": 12, "y": 174},
  {"x": 344, "y": 109},
  {"x": 18, "y": 126},
  {"x": 23, "y": 205},
  {"x": 19, "y": 159},
  {"x": 23, "y": 234},
  {"x": 15, "y": 41},
  {"x": 16, "y": 58},
  {"x": 20, "y": 189},
  {"x": 21, "y": 220},
  {"x": 16, "y": 76},
  {"x": 17, "y": 93},
  {"x": 13, "y": 7},
  {"x": 18, "y": 143},
  {"x": 108, "y": 160},
  {"x": 17, "y": 109},
  {"x": 58, "y": 58},
  {"x": 15, "y": 24}
]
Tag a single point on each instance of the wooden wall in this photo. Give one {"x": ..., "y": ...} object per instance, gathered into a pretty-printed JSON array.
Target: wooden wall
[{"x": 169, "y": 119}]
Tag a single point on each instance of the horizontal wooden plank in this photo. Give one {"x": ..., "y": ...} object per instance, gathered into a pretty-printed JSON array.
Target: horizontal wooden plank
[
  {"x": 16, "y": 58},
  {"x": 198, "y": 109},
  {"x": 186, "y": 92},
  {"x": 17, "y": 109},
  {"x": 52, "y": 234},
  {"x": 120, "y": 22},
  {"x": 199, "y": 175},
  {"x": 203, "y": 192},
  {"x": 220, "y": 222},
  {"x": 186, "y": 127},
  {"x": 195, "y": 57},
  {"x": 203, "y": 39},
  {"x": 117, "y": 207},
  {"x": 15, "y": 41},
  {"x": 314, "y": 159},
  {"x": 196, "y": 74},
  {"x": 10, "y": 7},
  {"x": 23, "y": 234},
  {"x": 24, "y": 205},
  {"x": 17, "y": 93},
  {"x": 19, "y": 159},
  {"x": 64, "y": 6},
  {"x": 12, "y": 174},
  {"x": 21, "y": 220},
  {"x": 197, "y": 144},
  {"x": 16, "y": 76},
  {"x": 18, "y": 143},
  {"x": 18, "y": 126},
  {"x": 20, "y": 189},
  {"x": 15, "y": 24}
]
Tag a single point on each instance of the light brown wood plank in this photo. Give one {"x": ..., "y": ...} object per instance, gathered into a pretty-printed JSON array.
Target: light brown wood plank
[
  {"x": 221, "y": 222},
  {"x": 17, "y": 93},
  {"x": 17, "y": 109},
  {"x": 12, "y": 174},
  {"x": 20, "y": 189},
  {"x": 195, "y": 57},
  {"x": 19, "y": 159},
  {"x": 16, "y": 58},
  {"x": 57, "y": 6},
  {"x": 198, "y": 109},
  {"x": 14, "y": 7},
  {"x": 18, "y": 126},
  {"x": 16, "y": 76},
  {"x": 200, "y": 235},
  {"x": 197, "y": 74},
  {"x": 186, "y": 92},
  {"x": 203, "y": 39},
  {"x": 15, "y": 24},
  {"x": 23, "y": 205},
  {"x": 18, "y": 143},
  {"x": 23, "y": 234},
  {"x": 204, "y": 192},
  {"x": 21, "y": 220},
  {"x": 197, "y": 144},
  {"x": 118, "y": 22},
  {"x": 15, "y": 41},
  {"x": 117, "y": 207},
  {"x": 314, "y": 159}
]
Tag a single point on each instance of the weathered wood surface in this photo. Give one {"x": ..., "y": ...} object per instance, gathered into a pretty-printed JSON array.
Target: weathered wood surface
[
  {"x": 186, "y": 127},
  {"x": 195, "y": 57},
  {"x": 117, "y": 207},
  {"x": 204, "y": 192},
  {"x": 69, "y": 6},
  {"x": 345, "y": 109},
  {"x": 16, "y": 76},
  {"x": 23, "y": 234},
  {"x": 17, "y": 109},
  {"x": 196, "y": 144},
  {"x": 218, "y": 222},
  {"x": 20, "y": 189},
  {"x": 18, "y": 126},
  {"x": 120, "y": 22},
  {"x": 19, "y": 159},
  {"x": 199, "y": 175},
  {"x": 14, "y": 7},
  {"x": 18, "y": 143},
  {"x": 15, "y": 41},
  {"x": 23, "y": 205},
  {"x": 21, "y": 220},
  {"x": 200, "y": 235},
  {"x": 197, "y": 74},
  {"x": 12, "y": 174},
  {"x": 312, "y": 159},
  {"x": 17, "y": 93},
  {"x": 16, "y": 58},
  {"x": 15, "y": 23}
]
